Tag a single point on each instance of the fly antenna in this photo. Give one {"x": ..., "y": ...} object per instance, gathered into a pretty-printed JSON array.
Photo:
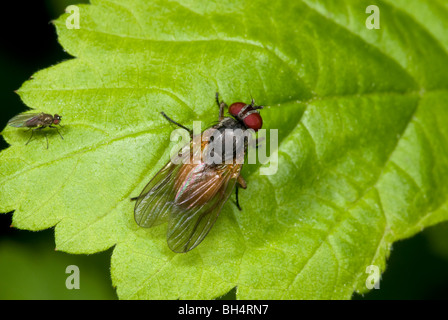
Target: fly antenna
[{"x": 252, "y": 104}]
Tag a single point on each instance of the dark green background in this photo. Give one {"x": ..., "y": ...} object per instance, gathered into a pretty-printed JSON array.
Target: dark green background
[{"x": 31, "y": 269}]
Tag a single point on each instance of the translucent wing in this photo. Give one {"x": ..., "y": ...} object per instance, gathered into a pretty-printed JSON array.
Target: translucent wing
[
  {"x": 196, "y": 209},
  {"x": 154, "y": 203},
  {"x": 24, "y": 120}
]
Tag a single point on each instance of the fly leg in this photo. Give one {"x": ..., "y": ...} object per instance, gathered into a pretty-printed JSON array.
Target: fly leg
[
  {"x": 259, "y": 142},
  {"x": 176, "y": 123},
  {"x": 32, "y": 133},
  {"x": 46, "y": 138},
  {"x": 236, "y": 196},
  {"x": 241, "y": 183},
  {"x": 57, "y": 131},
  {"x": 221, "y": 105}
]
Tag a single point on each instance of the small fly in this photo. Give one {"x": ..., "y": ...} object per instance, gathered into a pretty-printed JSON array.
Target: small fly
[
  {"x": 189, "y": 195},
  {"x": 38, "y": 121}
]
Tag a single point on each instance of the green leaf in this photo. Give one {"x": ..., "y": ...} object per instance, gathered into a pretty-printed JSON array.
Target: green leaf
[{"x": 362, "y": 157}]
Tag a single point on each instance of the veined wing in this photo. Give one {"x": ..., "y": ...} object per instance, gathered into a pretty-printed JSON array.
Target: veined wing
[
  {"x": 154, "y": 203},
  {"x": 23, "y": 119},
  {"x": 194, "y": 213}
]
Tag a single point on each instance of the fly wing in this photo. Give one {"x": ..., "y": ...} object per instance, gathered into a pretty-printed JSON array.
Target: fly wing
[
  {"x": 154, "y": 203},
  {"x": 24, "y": 120},
  {"x": 188, "y": 226}
]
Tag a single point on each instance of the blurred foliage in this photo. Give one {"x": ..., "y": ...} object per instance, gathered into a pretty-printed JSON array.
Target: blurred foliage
[
  {"x": 417, "y": 268},
  {"x": 30, "y": 268}
]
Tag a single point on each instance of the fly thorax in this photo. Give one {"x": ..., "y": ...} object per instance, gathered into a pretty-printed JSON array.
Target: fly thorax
[
  {"x": 227, "y": 143},
  {"x": 46, "y": 119}
]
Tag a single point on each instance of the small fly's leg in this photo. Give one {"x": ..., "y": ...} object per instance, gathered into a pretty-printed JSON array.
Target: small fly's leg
[
  {"x": 176, "y": 123},
  {"x": 46, "y": 138},
  {"x": 222, "y": 105},
  {"x": 57, "y": 131},
  {"x": 32, "y": 133},
  {"x": 241, "y": 183}
]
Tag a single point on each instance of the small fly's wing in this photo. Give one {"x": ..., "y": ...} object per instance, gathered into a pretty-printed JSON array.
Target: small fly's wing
[
  {"x": 192, "y": 218},
  {"x": 24, "y": 120}
]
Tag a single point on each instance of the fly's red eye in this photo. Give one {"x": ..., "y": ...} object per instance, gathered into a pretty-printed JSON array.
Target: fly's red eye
[
  {"x": 235, "y": 108},
  {"x": 56, "y": 119},
  {"x": 253, "y": 121}
]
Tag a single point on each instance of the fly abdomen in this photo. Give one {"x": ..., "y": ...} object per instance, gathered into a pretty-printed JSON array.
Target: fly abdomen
[{"x": 195, "y": 185}]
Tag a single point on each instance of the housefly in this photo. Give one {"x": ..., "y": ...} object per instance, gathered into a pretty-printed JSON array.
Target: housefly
[
  {"x": 189, "y": 195},
  {"x": 38, "y": 121}
]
